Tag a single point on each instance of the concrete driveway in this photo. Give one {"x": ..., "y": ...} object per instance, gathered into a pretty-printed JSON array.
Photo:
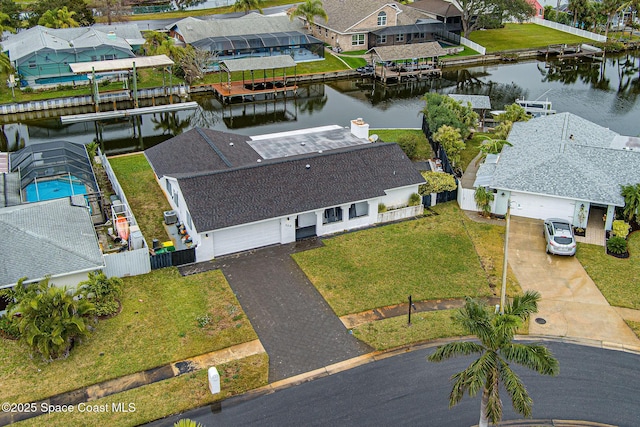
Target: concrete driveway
[{"x": 571, "y": 304}]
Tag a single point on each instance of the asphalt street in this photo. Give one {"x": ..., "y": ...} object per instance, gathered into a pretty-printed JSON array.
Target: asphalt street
[{"x": 594, "y": 385}]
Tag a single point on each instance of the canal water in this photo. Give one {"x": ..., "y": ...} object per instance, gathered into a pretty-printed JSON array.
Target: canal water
[{"x": 604, "y": 92}]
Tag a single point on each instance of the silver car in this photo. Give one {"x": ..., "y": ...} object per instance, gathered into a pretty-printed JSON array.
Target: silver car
[{"x": 559, "y": 236}]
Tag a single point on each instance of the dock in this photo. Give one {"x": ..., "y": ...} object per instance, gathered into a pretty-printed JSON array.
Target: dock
[
  {"x": 252, "y": 91},
  {"x": 565, "y": 51},
  {"x": 102, "y": 115},
  {"x": 399, "y": 74}
]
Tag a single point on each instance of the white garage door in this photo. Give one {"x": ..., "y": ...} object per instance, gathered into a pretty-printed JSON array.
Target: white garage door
[
  {"x": 246, "y": 237},
  {"x": 541, "y": 207}
]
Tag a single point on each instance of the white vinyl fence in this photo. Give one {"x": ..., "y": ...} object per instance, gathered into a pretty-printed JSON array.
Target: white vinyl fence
[
  {"x": 475, "y": 46},
  {"x": 466, "y": 200},
  {"x": 567, "y": 29}
]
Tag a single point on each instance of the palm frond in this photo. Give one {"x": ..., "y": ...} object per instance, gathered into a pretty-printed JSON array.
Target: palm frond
[
  {"x": 515, "y": 387},
  {"x": 453, "y": 349},
  {"x": 494, "y": 403},
  {"x": 523, "y": 305},
  {"x": 535, "y": 357}
]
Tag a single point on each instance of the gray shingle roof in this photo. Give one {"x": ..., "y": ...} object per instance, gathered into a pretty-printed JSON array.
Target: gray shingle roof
[
  {"x": 567, "y": 156},
  {"x": 27, "y": 42},
  {"x": 437, "y": 7},
  {"x": 408, "y": 51},
  {"x": 478, "y": 102},
  {"x": 193, "y": 29},
  {"x": 345, "y": 14},
  {"x": 190, "y": 153},
  {"x": 46, "y": 238},
  {"x": 286, "y": 186}
]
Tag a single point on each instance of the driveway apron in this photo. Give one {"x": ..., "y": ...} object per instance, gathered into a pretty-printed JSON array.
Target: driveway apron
[
  {"x": 571, "y": 303},
  {"x": 296, "y": 326}
]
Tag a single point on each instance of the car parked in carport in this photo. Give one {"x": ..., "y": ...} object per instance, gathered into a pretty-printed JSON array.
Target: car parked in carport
[{"x": 559, "y": 236}]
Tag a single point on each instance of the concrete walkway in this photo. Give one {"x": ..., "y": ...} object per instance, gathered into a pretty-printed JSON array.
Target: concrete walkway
[
  {"x": 296, "y": 326},
  {"x": 571, "y": 304}
]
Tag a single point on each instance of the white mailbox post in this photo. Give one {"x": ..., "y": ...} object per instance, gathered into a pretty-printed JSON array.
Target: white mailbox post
[{"x": 214, "y": 380}]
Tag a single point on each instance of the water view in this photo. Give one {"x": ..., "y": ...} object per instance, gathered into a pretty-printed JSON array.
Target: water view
[{"x": 604, "y": 92}]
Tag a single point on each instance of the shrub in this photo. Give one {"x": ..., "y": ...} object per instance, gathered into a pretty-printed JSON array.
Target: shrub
[
  {"x": 617, "y": 245},
  {"x": 9, "y": 327},
  {"x": 409, "y": 144},
  {"x": 28, "y": 89},
  {"x": 483, "y": 198},
  {"x": 437, "y": 182},
  {"x": 414, "y": 199},
  {"x": 103, "y": 292},
  {"x": 620, "y": 228},
  {"x": 382, "y": 207}
]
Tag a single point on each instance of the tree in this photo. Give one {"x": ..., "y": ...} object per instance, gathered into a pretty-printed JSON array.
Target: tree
[
  {"x": 59, "y": 18},
  {"x": 483, "y": 198},
  {"x": 451, "y": 142},
  {"x": 437, "y": 182},
  {"x": 113, "y": 10},
  {"x": 577, "y": 8},
  {"x": 514, "y": 113},
  {"x": 5, "y": 63},
  {"x": 5, "y": 24},
  {"x": 631, "y": 194},
  {"x": 51, "y": 318},
  {"x": 11, "y": 19},
  {"x": 442, "y": 110},
  {"x": 471, "y": 9},
  {"x": 83, "y": 15},
  {"x": 496, "y": 351},
  {"x": 309, "y": 10},
  {"x": 102, "y": 291},
  {"x": 247, "y": 5},
  {"x": 491, "y": 146},
  {"x": 610, "y": 9}
]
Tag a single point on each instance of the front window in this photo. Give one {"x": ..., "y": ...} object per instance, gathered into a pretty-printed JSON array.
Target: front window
[
  {"x": 332, "y": 215},
  {"x": 358, "y": 209},
  {"x": 357, "y": 40},
  {"x": 381, "y": 39},
  {"x": 382, "y": 19},
  {"x": 399, "y": 37}
]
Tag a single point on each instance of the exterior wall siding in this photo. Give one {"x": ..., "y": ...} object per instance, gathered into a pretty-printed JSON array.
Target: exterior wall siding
[
  {"x": 371, "y": 21},
  {"x": 398, "y": 196}
]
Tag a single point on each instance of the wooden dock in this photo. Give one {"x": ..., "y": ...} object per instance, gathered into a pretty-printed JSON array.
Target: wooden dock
[
  {"x": 251, "y": 91},
  {"x": 401, "y": 74},
  {"x": 565, "y": 51}
]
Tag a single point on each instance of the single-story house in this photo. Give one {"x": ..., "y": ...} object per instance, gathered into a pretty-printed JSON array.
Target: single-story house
[
  {"x": 562, "y": 166},
  {"x": 42, "y": 55},
  {"x": 234, "y": 193},
  {"x": 248, "y": 36},
  {"x": 357, "y": 25},
  {"x": 53, "y": 238}
]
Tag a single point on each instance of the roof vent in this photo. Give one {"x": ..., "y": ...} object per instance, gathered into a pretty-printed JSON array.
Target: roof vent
[
  {"x": 303, "y": 143},
  {"x": 259, "y": 160},
  {"x": 320, "y": 151},
  {"x": 231, "y": 144},
  {"x": 308, "y": 166}
]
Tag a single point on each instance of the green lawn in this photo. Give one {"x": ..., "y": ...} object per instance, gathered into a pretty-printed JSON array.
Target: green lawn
[
  {"x": 354, "y": 62},
  {"x": 472, "y": 148},
  {"x": 429, "y": 258},
  {"x": 617, "y": 279},
  {"x": 157, "y": 326},
  {"x": 522, "y": 36},
  {"x": 394, "y": 332},
  {"x": 392, "y": 135},
  {"x": 167, "y": 397},
  {"x": 146, "y": 199}
]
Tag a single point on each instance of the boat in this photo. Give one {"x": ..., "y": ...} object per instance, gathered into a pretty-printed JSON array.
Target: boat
[
  {"x": 122, "y": 227},
  {"x": 536, "y": 108}
]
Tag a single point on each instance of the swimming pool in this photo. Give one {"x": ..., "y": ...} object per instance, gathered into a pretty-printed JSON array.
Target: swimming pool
[{"x": 54, "y": 189}]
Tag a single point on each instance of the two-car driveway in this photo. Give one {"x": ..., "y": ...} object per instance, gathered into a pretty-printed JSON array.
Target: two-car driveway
[{"x": 571, "y": 304}]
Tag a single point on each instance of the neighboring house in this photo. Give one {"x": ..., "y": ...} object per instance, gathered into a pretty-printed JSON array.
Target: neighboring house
[
  {"x": 42, "y": 55},
  {"x": 444, "y": 11},
  {"x": 539, "y": 9},
  {"x": 357, "y": 25},
  {"x": 248, "y": 36},
  {"x": 234, "y": 193},
  {"x": 54, "y": 238},
  {"x": 129, "y": 32},
  {"x": 562, "y": 166}
]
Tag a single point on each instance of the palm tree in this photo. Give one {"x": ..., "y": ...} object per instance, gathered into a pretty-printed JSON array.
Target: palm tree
[
  {"x": 497, "y": 350},
  {"x": 59, "y": 18},
  {"x": 247, "y": 5},
  {"x": 483, "y": 198},
  {"x": 5, "y": 24},
  {"x": 631, "y": 194},
  {"x": 308, "y": 10},
  {"x": 5, "y": 63},
  {"x": 491, "y": 146}
]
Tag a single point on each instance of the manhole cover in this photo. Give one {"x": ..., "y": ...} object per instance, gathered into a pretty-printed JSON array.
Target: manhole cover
[{"x": 540, "y": 320}]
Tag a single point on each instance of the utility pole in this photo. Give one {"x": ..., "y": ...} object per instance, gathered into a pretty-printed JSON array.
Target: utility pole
[{"x": 503, "y": 291}]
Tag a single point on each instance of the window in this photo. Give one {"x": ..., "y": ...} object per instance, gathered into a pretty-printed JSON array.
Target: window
[
  {"x": 332, "y": 215},
  {"x": 32, "y": 64},
  {"x": 382, "y": 19},
  {"x": 108, "y": 57},
  {"x": 399, "y": 37},
  {"x": 357, "y": 40},
  {"x": 189, "y": 223},
  {"x": 176, "y": 199},
  {"x": 381, "y": 39},
  {"x": 168, "y": 186},
  {"x": 358, "y": 209},
  {"x": 422, "y": 35}
]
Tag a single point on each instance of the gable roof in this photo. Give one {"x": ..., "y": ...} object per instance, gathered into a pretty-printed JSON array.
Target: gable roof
[
  {"x": 27, "y": 42},
  {"x": 46, "y": 238},
  {"x": 345, "y": 14},
  {"x": 566, "y": 156},
  {"x": 193, "y": 29},
  {"x": 408, "y": 51},
  {"x": 478, "y": 102},
  {"x": 287, "y": 186}
]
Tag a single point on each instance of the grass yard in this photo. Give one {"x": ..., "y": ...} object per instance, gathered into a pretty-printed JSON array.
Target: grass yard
[
  {"x": 394, "y": 332},
  {"x": 392, "y": 135},
  {"x": 354, "y": 62},
  {"x": 158, "y": 325},
  {"x": 167, "y": 397},
  {"x": 429, "y": 258},
  {"x": 617, "y": 279},
  {"x": 522, "y": 36},
  {"x": 472, "y": 148},
  {"x": 635, "y": 327},
  {"x": 143, "y": 193}
]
